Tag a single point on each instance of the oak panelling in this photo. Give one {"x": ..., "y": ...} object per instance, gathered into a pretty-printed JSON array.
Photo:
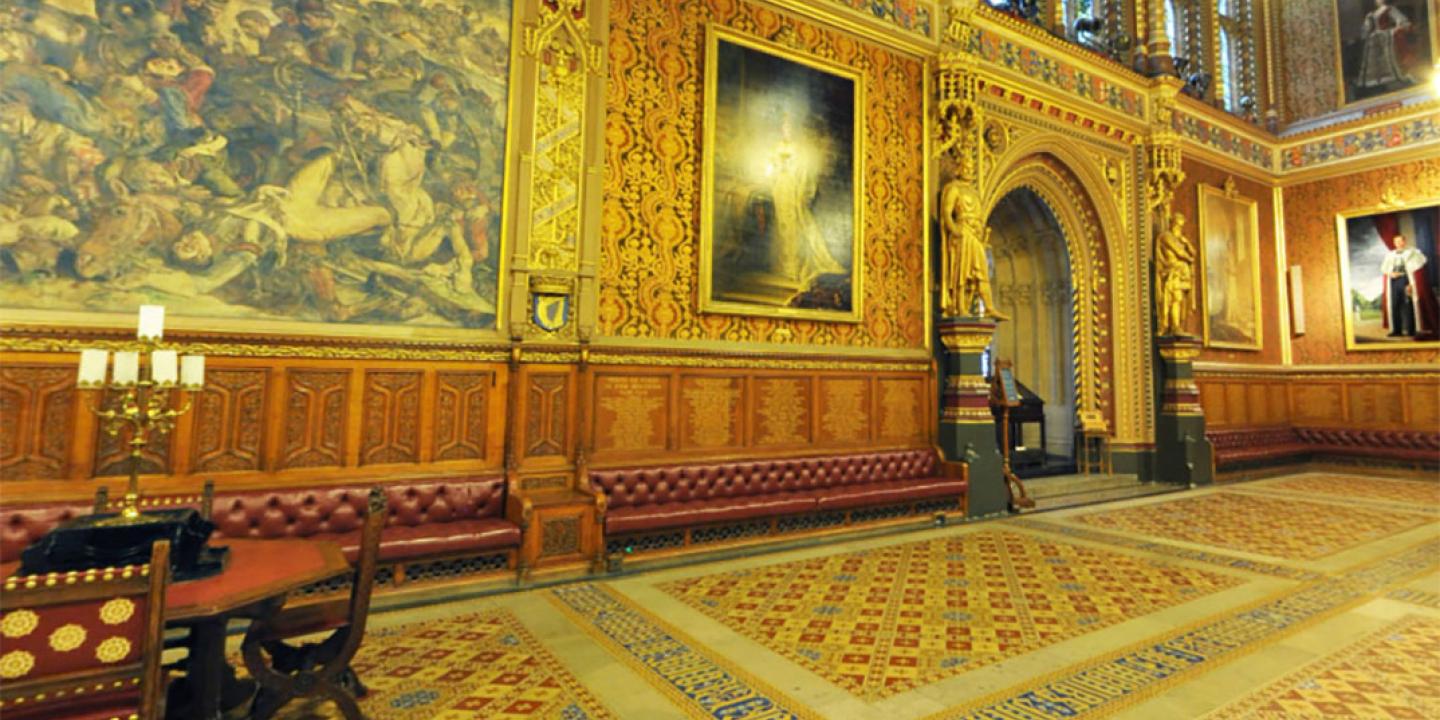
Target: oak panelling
[
  {"x": 1348, "y": 400},
  {"x": 390, "y": 432},
  {"x": 547, "y": 414},
  {"x": 461, "y": 415},
  {"x": 260, "y": 422},
  {"x": 228, "y": 421},
  {"x": 316, "y": 410},
  {"x": 36, "y": 419},
  {"x": 649, "y": 415}
]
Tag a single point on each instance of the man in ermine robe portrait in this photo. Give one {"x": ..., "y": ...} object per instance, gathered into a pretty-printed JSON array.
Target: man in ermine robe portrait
[{"x": 1409, "y": 305}]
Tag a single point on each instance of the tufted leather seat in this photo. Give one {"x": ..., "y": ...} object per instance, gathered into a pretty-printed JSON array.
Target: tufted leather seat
[
  {"x": 427, "y": 518},
  {"x": 656, "y": 498},
  {"x": 1245, "y": 445}
]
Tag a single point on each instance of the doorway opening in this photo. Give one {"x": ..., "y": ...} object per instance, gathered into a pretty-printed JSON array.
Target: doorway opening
[{"x": 1033, "y": 285}]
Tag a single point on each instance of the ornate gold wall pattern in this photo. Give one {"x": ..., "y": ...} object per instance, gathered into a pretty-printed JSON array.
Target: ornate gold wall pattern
[
  {"x": 845, "y": 415},
  {"x": 650, "y": 231},
  {"x": 632, "y": 405}
]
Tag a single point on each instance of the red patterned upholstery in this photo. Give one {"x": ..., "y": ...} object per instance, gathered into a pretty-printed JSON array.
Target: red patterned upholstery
[
  {"x": 652, "y": 498},
  {"x": 448, "y": 516},
  {"x": 1283, "y": 443}
]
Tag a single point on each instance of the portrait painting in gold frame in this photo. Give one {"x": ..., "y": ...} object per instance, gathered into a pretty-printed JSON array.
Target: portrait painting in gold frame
[
  {"x": 1389, "y": 271},
  {"x": 781, "y": 211},
  {"x": 1230, "y": 268},
  {"x": 1386, "y": 47},
  {"x": 264, "y": 188}
]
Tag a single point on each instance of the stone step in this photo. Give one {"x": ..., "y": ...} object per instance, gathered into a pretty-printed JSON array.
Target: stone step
[
  {"x": 1058, "y": 485},
  {"x": 1099, "y": 496}
]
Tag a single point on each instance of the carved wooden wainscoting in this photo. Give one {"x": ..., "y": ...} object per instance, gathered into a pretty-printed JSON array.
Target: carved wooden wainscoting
[{"x": 1260, "y": 418}]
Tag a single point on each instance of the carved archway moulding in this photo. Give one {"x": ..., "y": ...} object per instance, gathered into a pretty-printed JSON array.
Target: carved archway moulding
[{"x": 1108, "y": 344}]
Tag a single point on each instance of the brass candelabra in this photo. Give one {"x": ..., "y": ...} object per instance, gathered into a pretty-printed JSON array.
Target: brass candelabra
[{"x": 147, "y": 400}]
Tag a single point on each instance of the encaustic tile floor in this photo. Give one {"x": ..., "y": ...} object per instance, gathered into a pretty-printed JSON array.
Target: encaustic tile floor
[{"x": 1314, "y": 595}]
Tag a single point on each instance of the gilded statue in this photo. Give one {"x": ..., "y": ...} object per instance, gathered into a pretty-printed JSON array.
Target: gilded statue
[
  {"x": 966, "y": 266},
  {"x": 1175, "y": 276}
]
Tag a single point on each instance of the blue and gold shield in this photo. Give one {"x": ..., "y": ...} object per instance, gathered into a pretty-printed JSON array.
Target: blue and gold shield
[{"x": 551, "y": 312}]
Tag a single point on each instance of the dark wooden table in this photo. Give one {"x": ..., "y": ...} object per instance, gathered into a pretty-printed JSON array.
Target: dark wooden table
[{"x": 257, "y": 577}]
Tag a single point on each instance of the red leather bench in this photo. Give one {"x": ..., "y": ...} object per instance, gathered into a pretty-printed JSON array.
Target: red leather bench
[
  {"x": 643, "y": 499},
  {"x": 428, "y": 518},
  {"x": 1233, "y": 447}
]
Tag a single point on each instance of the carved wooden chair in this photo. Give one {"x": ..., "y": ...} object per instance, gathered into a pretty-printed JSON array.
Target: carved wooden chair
[
  {"x": 317, "y": 669},
  {"x": 84, "y": 644}
]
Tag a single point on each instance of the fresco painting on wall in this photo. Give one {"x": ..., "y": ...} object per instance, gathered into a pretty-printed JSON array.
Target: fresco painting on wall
[
  {"x": 1230, "y": 264},
  {"x": 781, "y": 216},
  {"x": 1385, "y": 46},
  {"x": 267, "y": 164},
  {"x": 1389, "y": 271}
]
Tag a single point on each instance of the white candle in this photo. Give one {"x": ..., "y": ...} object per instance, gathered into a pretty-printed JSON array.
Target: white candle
[
  {"x": 92, "y": 367},
  {"x": 152, "y": 322},
  {"x": 192, "y": 371},
  {"x": 127, "y": 367},
  {"x": 163, "y": 368}
]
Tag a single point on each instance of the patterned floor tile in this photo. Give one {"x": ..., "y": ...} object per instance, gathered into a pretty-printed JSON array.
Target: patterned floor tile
[
  {"x": 1278, "y": 527},
  {"x": 1419, "y": 493},
  {"x": 888, "y": 620},
  {"x": 1393, "y": 674},
  {"x": 480, "y": 665}
]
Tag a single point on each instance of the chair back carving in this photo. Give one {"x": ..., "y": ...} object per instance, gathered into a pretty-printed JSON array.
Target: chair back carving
[
  {"x": 85, "y": 642},
  {"x": 364, "y": 585}
]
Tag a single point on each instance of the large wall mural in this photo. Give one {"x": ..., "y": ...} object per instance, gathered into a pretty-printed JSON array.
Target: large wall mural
[
  {"x": 650, "y": 240},
  {"x": 304, "y": 162}
]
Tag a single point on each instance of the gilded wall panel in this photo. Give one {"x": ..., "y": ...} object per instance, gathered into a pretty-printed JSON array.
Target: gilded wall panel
[
  {"x": 844, "y": 410},
  {"x": 902, "y": 410},
  {"x": 782, "y": 411},
  {"x": 1310, "y": 210},
  {"x": 711, "y": 411},
  {"x": 650, "y": 229},
  {"x": 632, "y": 413}
]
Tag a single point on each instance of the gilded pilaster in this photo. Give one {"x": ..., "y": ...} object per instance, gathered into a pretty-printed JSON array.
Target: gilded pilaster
[{"x": 561, "y": 83}]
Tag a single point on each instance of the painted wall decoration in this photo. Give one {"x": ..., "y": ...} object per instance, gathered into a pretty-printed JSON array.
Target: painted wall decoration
[
  {"x": 781, "y": 211},
  {"x": 649, "y": 270},
  {"x": 300, "y": 164},
  {"x": 1385, "y": 46},
  {"x": 1230, "y": 263},
  {"x": 1389, "y": 272}
]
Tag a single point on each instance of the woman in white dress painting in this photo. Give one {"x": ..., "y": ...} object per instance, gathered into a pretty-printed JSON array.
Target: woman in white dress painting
[{"x": 1383, "y": 39}]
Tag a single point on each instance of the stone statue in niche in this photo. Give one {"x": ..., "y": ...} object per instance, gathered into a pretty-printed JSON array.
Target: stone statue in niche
[
  {"x": 966, "y": 264},
  {"x": 1175, "y": 277}
]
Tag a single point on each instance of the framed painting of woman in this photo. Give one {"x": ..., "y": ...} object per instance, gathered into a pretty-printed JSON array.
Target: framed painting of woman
[
  {"x": 1386, "y": 46},
  {"x": 781, "y": 210}
]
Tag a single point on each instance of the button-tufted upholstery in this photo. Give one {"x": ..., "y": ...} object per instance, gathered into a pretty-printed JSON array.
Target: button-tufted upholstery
[
  {"x": 1244, "y": 445},
  {"x": 449, "y": 516},
  {"x": 651, "y": 498}
]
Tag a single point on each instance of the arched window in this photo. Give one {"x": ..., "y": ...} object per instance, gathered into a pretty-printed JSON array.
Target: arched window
[
  {"x": 1175, "y": 28},
  {"x": 1235, "y": 77}
]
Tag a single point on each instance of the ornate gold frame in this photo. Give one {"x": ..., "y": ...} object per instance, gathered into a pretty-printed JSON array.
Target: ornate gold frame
[
  {"x": 1419, "y": 87},
  {"x": 1210, "y": 193},
  {"x": 1342, "y": 248},
  {"x": 713, "y": 35},
  {"x": 246, "y": 331}
]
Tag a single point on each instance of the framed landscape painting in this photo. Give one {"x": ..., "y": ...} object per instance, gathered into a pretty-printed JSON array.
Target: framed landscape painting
[
  {"x": 1230, "y": 267},
  {"x": 1386, "y": 46},
  {"x": 315, "y": 168},
  {"x": 1389, "y": 270},
  {"x": 781, "y": 211}
]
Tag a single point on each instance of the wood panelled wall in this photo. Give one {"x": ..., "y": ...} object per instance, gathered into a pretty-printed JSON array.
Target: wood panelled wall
[
  {"x": 286, "y": 422},
  {"x": 1341, "y": 400}
]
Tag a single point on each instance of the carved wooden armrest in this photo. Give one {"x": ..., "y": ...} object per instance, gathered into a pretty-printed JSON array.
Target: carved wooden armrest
[
  {"x": 955, "y": 470},
  {"x": 600, "y": 498},
  {"x": 519, "y": 509}
]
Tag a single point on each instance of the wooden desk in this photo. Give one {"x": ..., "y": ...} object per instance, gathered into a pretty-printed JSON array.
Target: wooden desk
[{"x": 257, "y": 577}]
